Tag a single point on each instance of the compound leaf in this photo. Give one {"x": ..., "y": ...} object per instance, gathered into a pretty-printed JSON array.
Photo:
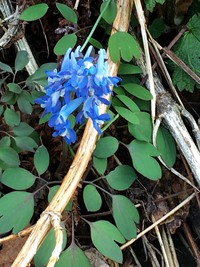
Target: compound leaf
[{"x": 16, "y": 210}]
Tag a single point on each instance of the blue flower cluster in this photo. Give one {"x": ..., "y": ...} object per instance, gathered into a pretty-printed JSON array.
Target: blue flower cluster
[{"x": 80, "y": 84}]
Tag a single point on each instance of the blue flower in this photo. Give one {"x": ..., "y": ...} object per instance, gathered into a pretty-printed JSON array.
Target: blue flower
[{"x": 80, "y": 84}]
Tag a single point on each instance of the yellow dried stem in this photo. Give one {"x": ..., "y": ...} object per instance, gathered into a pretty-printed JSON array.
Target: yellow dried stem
[{"x": 83, "y": 155}]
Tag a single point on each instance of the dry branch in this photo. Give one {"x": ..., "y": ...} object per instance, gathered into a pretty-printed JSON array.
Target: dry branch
[{"x": 77, "y": 169}]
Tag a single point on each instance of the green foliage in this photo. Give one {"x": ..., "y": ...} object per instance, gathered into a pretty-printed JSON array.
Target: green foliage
[
  {"x": 21, "y": 60},
  {"x": 125, "y": 215},
  {"x": 53, "y": 190},
  {"x": 106, "y": 147},
  {"x": 166, "y": 146},
  {"x": 67, "y": 41},
  {"x": 9, "y": 156},
  {"x": 110, "y": 12},
  {"x": 128, "y": 69},
  {"x": 44, "y": 252},
  {"x": 128, "y": 115},
  {"x": 11, "y": 117},
  {"x": 122, "y": 177},
  {"x": 92, "y": 198},
  {"x": 143, "y": 130},
  {"x": 157, "y": 28},
  {"x": 5, "y": 67},
  {"x": 122, "y": 44},
  {"x": 16, "y": 210},
  {"x": 100, "y": 164},
  {"x": 67, "y": 12},
  {"x": 25, "y": 143},
  {"x": 103, "y": 235},
  {"x": 150, "y": 4},
  {"x": 22, "y": 129},
  {"x": 187, "y": 48},
  {"x": 34, "y": 12},
  {"x": 41, "y": 165},
  {"x": 142, "y": 154},
  {"x": 74, "y": 257},
  {"x": 17, "y": 178},
  {"x": 138, "y": 91}
]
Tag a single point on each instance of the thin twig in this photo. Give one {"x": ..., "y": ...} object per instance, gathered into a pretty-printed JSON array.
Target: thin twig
[{"x": 161, "y": 220}]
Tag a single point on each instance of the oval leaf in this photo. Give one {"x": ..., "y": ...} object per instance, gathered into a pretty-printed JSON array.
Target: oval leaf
[
  {"x": 74, "y": 257},
  {"x": 21, "y": 60},
  {"x": 100, "y": 164},
  {"x": 122, "y": 177},
  {"x": 138, "y": 91},
  {"x": 127, "y": 114},
  {"x": 17, "y": 178},
  {"x": 67, "y": 12},
  {"x": 66, "y": 42},
  {"x": 125, "y": 215},
  {"x": 16, "y": 210},
  {"x": 106, "y": 147},
  {"x": 128, "y": 102},
  {"x": 166, "y": 146},
  {"x": 9, "y": 156},
  {"x": 143, "y": 130},
  {"x": 11, "y": 117},
  {"x": 103, "y": 235},
  {"x": 41, "y": 159},
  {"x": 110, "y": 12},
  {"x": 128, "y": 69},
  {"x": 92, "y": 198},
  {"x": 142, "y": 154},
  {"x": 34, "y": 12},
  {"x": 25, "y": 143},
  {"x": 5, "y": 67},
  {"x": 22, "y": 129},
  {"x": 15, "y": 88}
]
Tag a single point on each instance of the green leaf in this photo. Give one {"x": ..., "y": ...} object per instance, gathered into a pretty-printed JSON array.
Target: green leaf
[
  {"x": 15, "y": 88},
  {"x": 103, "y": 235},
  {"x": 7, "y": 96},
  {"x": 138, "y": 91},
  {"x": 11, "y": 117},
  {"x": 143, "y": 130},
  {"x": 5, "y": 141},
  {"x": 74, "y": 257},
  {"x": 5, "y": 67},
  {"x": 24, "y": 104},
  {"x": 122, "y": 44},
  {"x": 142, "y": 154},
  {"x": 34, "y": 12},
  {"x": 187, "y": 49},
  {"x": 92, "y": 198},
  {"x": 100, "y": 164},
  {"x": 128, "y": 102},
  {"x": 122, "y": 177},
  {"x": 16, "y": 210},
  {"x": 66, "y": 42},
  {"x": 106, "y": 147},
  {"x": 110, "y": 12},
  {"x": 18, "y": 178},
  {"x": 166, "y": 146},
  {"x": 128, "y": 69},
  {"x": 45, "y": 118},
  {"x": 67, "y": 12},
  {"x": 41, "y": 165},
  {"x": 9, "y": 156},
  {"x": 22, "y": 129},
  {"x": 40, "y": 77},
  {"x": 95, "y": 43},
  {"x": 127, "y": 114},
  {"x": 21, "y": 60},
  {"x": 44, "y": 252},
  {"x": 25, "y": 143},
  {"x": 157, "y": 28},
  {"x": 125, "y": 215},
  {"x": 150, "y": 4}
]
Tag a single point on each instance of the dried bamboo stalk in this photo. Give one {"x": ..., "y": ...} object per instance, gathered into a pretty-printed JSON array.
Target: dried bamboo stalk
[{"x": 83, "y": 155}]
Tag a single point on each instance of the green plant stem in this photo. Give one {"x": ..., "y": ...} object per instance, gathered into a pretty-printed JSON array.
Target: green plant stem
[{"x": 95, "y": 26}]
